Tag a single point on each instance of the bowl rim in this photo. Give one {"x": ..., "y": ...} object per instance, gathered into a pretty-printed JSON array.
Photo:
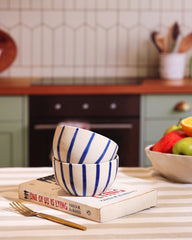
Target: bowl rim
[
  {"x": 148, "y": 149},
  {"x": 87, "y": 164}
]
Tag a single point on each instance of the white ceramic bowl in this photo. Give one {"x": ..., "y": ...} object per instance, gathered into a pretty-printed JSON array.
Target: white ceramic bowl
[
  {"x": 77, "y": 145},
  {"x": 174, "y": 167},
  {"x": 85, "y": 179}
]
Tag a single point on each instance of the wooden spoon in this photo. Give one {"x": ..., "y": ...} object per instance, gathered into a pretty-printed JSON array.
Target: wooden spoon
[
  {"x": 186, "y": 43},
  {"x": 160, "y": 41},
  {"x": 153, "y": 38},
  {"x": 8, "y": 50}
]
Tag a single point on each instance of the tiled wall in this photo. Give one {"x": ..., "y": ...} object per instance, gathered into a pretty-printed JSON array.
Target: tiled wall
[{"x": 86, "y": 41}]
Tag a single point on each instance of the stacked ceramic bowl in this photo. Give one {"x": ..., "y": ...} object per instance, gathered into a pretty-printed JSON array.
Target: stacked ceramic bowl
[{"x": 85, "y": 163}]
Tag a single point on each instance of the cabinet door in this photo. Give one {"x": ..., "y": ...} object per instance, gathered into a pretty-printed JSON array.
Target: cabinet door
[
  {"x": 11, "y": 144},
  {"x": 13, "y": 131}
]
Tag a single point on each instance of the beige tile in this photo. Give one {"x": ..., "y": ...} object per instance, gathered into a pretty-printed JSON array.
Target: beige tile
[
  {"x": 14, "y": 4},
  {"x": 90, "y": 19},
  {"x": 4, "y": 4},
  {"x": 101, "y": 4},
  {"x": 58, "y": 4},
  {"x": 90, "y": 49},
  {"x": 80, "y": 4},
  {"x": 90, "y": 4},
  {"x": 31, "y": 18},
  {"x": 111, "y": 51},
  {"x": 150, "y": 19},
  {"x": 47, "y": 4},
  {"x": 112, "y": 4},
  {"x": 20, "y": 71},
  {"x": 133, "y": 4},
  {"x": 25, "y": 4},
  {"x": 155, "y": 4},
  {"x": 79, "y": 47},
  {"x": 69, "y": 48},
  {"x": 9, "y": 18},
  {"x": 178, "y": 4},
  {"x": 47, "y": 47},
  {"x": 143, "y": 46},
  {"x": 133, "y": 46},
  {"x": 26, "y": 47},
  {"x": 107, "y": 19},
  {"x": 144, "y": 4},
  {"x": 128, "y": 19},
  {"x": 53, "y": 19},
  {"x": 37, "y": 54},
  {"x": 69, "y": 4},
  {"x": 169, "y": 17},
  {"x": 187, "y": 5},
  {"x": 58, "y": 46},
  {"x": 123, "y": 4},
  {"x": 101, "y": 41},
  {"x": 74, "y": 19},
  {"x": 166, "y": 4},
  {"x": 36, "y": 4},
  {"x": 122, "y": 48}
]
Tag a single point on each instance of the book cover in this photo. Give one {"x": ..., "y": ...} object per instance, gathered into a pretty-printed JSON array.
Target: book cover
[{"x": 118, "y": 201}]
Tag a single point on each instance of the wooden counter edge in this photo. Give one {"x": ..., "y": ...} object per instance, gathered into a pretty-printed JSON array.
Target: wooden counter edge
[{"x": 148, "y": 86}]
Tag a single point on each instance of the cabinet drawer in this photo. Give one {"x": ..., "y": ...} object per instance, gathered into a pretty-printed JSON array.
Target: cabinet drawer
[
  {"x": 10, "y": 108},
  {"x": 84, "y": 105},
  {"x": 160, "y": 106}
]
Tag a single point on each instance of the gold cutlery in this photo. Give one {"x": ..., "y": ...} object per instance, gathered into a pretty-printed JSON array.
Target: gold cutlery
[{"x": 25, "y": 211}]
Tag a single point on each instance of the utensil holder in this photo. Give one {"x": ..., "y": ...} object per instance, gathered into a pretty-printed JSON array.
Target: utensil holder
[{"x": 172, "y": 65}]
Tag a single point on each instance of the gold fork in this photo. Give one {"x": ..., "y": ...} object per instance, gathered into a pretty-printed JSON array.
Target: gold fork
[{"x": 24, "y": 210}]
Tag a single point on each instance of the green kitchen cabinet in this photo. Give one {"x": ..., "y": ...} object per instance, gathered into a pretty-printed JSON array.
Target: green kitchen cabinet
[
  {"x": 157, "y": 114},
  {"x": 13, "y": 131}
]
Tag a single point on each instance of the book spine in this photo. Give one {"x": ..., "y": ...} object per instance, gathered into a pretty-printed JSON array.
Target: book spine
[{"x": 71, "y": 207}]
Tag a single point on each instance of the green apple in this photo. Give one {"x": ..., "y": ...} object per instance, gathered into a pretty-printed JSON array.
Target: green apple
[
  {"x": 183, "y": 146},
  {"x": 174, "y": 128}
]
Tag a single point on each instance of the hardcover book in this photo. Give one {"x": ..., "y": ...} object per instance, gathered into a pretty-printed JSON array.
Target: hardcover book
[{"x": 118, "y": 201}]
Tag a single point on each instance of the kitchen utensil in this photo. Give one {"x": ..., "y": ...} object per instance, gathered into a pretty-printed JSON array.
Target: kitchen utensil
[
  {"x": 25, "y": 211},
  {"x": 186, "y": 43},
  {"x": 77, "y": 145},
  {"x": 85, "y": 179},
  {"x": 154, "y": 40},
  {"x": 171, "y": 37},
  {"x": 160, "y": 41},
  {"x": 8, "y": 50},
  {"x": 175, "y": 32},
  {"x": 172, "y": 65}
]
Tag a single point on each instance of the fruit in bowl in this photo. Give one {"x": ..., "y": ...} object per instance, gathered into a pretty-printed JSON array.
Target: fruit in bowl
[
  {"x": 174, "y": 167},
  {"x": 172, "y": 154}
]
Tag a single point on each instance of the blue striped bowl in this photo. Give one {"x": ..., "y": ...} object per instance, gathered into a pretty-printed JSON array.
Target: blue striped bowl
[
  {"x": 77, "y": 145},
  {"x": 85, "y": 179}
]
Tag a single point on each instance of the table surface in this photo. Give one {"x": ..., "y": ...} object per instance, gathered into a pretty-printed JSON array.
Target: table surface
[{"x": 170, "y": 219}]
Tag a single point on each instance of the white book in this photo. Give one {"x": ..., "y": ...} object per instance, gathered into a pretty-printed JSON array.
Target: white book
[{"x": 118, "y": 201}]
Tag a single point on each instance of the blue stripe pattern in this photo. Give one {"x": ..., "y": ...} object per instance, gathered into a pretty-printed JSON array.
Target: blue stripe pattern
[
  {"x": 97, "y": 178},
  {"x": 71, "y": 178},
  {"x": 58, "y": 144},
  {"x": 71, "y": 145},
  {"x": 82, "y": 159},
  {"x": 109, "y": 177},
  {"x": 113, "y": 153},
  {"x": 84, "y": 178},
  {"x": 103, "y": 153},
  {"x": 63, "y": 178}
]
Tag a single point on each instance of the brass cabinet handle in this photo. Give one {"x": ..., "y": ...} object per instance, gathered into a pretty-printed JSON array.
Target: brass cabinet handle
[{"x": 182, "y": 106}]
